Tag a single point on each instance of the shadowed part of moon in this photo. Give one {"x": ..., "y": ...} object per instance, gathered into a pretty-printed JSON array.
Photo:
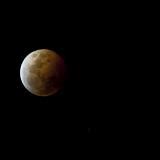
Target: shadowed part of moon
[{"x": 43, "y": 72}]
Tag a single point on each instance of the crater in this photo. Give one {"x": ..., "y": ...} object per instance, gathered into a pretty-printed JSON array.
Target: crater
[{"x": 34, "y": 55}]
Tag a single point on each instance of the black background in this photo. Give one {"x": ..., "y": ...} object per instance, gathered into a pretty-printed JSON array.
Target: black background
[{"x": 103, "y": 54}]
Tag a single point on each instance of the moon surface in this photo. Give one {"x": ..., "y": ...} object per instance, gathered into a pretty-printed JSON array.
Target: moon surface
[{"x": 43, "y": 72}]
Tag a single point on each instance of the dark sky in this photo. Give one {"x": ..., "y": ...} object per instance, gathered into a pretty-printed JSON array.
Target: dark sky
[
  {"x": 92, "y": 91},
  {"x": 72, "y": 110},
  {"x": 102, "y": 55},
  {"x": 105, "y": 48}
]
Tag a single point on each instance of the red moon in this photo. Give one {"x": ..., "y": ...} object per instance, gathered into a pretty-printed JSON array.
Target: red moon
[{"x": 43, "y": 72}]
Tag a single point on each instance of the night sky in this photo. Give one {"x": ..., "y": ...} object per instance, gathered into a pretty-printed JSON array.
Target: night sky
[
  {"x": 72, "y": 110},
  {"x": 101, "y": 88},
  {"x": 90, "y": 92}
]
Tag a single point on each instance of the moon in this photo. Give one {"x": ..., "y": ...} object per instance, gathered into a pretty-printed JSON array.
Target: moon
[{"x": 43, "y": 72}]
